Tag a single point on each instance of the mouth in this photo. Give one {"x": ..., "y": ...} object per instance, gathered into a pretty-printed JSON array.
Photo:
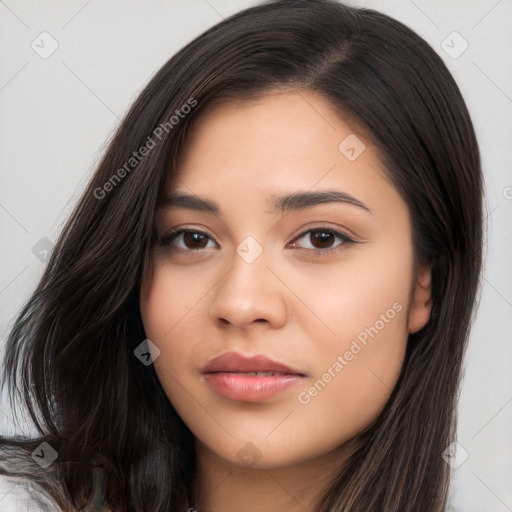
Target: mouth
[
  {"x": 258, "y": 373},
  {"x": 249, "y": 379}
]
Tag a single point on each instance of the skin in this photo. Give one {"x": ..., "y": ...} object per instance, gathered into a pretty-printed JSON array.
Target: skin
[{"x": 300, "y": 309}]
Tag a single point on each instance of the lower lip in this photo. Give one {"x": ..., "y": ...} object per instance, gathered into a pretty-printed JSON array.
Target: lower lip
[{"x": 247, "y": 388}]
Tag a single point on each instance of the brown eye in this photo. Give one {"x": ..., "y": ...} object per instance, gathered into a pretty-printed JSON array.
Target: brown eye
[
  {"x": 194, "y": 240},
  {"x": 190, "y": 239},
  {"x": 321, "y": 240}
]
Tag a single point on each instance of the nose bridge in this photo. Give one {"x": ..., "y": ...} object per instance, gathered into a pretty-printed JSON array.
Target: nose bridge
[{"x": 249, "y": 291}]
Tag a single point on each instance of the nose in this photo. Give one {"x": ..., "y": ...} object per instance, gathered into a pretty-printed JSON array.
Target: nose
[{"x": 249, "y": 294}]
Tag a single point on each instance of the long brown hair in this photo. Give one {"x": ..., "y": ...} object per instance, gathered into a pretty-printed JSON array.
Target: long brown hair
[{"x": 70, "y": 355}]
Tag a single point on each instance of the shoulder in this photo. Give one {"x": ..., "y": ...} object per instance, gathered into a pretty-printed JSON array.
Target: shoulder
[
  {"x": 24, "y": 485},
  {"x": 18, "y": 495}
]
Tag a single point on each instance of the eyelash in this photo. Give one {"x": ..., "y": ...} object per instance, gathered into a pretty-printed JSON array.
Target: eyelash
[{"x": 171, "y": 236}]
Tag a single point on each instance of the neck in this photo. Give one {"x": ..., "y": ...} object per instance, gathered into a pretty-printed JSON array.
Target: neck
[{"x": 222, "y": 486}]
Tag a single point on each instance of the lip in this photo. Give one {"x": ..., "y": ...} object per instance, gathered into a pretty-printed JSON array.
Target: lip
[{"x": 227, "y": 375}]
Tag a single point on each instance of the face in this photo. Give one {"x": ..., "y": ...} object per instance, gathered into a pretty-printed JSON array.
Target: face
[{"x": 318, "y": 292}]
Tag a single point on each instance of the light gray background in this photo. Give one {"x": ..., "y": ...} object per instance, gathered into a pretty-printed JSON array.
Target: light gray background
[{"x": 58, "y": 112}]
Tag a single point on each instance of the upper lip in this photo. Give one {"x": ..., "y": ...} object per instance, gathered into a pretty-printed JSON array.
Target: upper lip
[{"x": 232, "y": 362}]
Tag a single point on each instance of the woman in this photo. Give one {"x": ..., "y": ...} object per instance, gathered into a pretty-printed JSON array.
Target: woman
[{"x": 263, "y": 297}]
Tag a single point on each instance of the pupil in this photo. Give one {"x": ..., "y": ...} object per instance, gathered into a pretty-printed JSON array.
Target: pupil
[
  {"x": 323, "y": 237},
  {"x": 193, "y": 237}
]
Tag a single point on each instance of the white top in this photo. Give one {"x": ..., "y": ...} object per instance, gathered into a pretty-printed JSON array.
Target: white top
[{"x": 15, "y": 496}]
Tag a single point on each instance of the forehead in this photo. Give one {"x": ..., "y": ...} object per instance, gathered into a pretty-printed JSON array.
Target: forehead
[
  {"x": 293, "y": 149},
  {"x": 278, "y": 127}
]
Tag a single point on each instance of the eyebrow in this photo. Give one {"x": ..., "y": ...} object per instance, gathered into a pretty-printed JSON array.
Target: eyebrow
[{"x": 276, "y": 204}]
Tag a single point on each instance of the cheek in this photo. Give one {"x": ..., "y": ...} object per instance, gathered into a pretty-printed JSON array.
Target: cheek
[
  {"x": 360, "y": 364},
  {"x": 358, "y": 358},
  {"x": 171, "y": 311},
  {"x": 170, "y": 302},
  {"x": 363, "y": 297}
]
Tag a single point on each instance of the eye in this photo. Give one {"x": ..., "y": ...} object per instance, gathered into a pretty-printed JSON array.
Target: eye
[
  {"x": 191, "y": 239},
  {"x": 321, "y": 239}
]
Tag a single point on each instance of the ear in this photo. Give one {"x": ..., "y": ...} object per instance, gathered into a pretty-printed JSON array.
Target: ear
[{"x": 419, "y": 310}]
